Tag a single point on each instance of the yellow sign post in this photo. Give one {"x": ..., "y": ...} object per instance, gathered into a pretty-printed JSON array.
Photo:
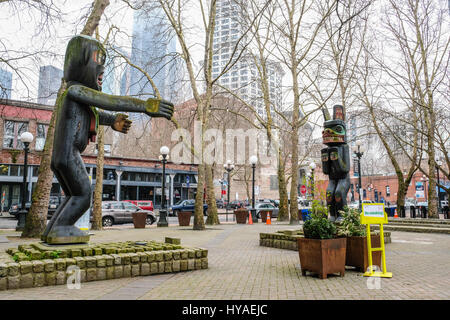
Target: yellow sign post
[{"x": 373, "y": 213}]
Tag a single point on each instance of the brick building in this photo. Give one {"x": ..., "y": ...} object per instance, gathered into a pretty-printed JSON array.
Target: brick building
[{"x": 124, "y": 177}]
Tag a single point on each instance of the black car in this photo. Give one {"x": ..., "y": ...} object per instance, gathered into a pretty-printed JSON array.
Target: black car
[{"x": 53, "y": 204}]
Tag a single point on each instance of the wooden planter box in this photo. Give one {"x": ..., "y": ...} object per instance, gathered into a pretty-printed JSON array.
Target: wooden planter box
[
  {"x": 184, "y": 218},
  {"x": 241, "y": 215},
  {"x": 322, "y": 256},
  {"x": 357, "y": 255},
  {"x": 264, "y": 216},
  {"x": 139, "y": 219}
]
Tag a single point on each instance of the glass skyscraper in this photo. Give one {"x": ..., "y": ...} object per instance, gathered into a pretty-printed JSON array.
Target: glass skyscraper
[
  {"x": 5, "y": 84},
  {"x": 49, "y": 84}
]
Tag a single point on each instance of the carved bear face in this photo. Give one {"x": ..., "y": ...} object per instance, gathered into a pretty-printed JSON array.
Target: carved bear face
[
  {"x": 334, "y": 132},
  {"x": 84, "y": 62}
]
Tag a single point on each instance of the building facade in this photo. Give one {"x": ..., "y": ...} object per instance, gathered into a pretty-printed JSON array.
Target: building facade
[
  {"x": 125, "y": 178},
  {"x": 5, "y": 84},
  {"x": 49, "y": 84}
]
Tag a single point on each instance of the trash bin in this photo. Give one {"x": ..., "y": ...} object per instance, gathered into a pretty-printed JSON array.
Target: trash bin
[
  {"x": 446, "y": 212},
  {"x": 306, "y": 214},
  {"x": 184, "y": 218},
  {"x": 390, "y": 211},
  {"x": 423, "y": 211}
]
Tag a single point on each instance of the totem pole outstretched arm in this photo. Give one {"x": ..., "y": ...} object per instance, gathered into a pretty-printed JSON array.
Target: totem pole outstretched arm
[{"x": 152, "y": 107}]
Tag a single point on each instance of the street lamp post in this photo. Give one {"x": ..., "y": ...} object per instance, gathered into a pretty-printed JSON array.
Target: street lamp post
[
  {"x": 358, "y": 150},
  {"x": 228, "y": 167},
  {"x": 312, "y": 166},
  {"x": 253, "y": 160},
  {"x": 162, "y": 222},
  {"x": 26, "y": 139},
  {"x": 438, "y": 164}
]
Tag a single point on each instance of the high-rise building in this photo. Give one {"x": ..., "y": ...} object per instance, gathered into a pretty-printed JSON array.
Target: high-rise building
[
  {"x": 243, "y": 77},
  {"x": 5, "y": 84},
  {"x": 49, "y": 84},
  {"x": 153, "y": 50}
]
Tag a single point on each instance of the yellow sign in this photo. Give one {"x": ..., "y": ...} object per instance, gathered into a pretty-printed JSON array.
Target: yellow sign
[{"x": 373, "y": 213}]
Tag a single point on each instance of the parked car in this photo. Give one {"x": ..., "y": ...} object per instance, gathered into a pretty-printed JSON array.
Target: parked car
[
  {"x": 115, "y": 212},
  {"x": 53, "y": 204},
  {"x": 143, "y": 204},
  {"x": 263, "y": 206},
  {"x": 273, "y": 202},
  {"x": 220, "y": 203},
  {"x": 305, "y": 203},
  {"x": 235, "y": 204},
  {"x": 186, "y": 205}
]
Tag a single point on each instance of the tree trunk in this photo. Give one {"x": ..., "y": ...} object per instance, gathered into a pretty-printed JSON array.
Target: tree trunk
[
  {"x": 213, "y": 217},
  {"x": 199, "y": 223},
  {"x": 37, "y": 216},
  {"x": 98, "y": 191},
  {"x": 283, "y": 213}
]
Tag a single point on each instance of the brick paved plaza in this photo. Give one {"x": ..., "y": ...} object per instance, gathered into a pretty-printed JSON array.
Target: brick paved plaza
[{"x": 241, "y": 269}]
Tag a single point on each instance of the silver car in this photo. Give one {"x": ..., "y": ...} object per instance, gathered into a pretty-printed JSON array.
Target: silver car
[
  {"x": 264, "y": 206},
  {"x": 114, "y": 212}
]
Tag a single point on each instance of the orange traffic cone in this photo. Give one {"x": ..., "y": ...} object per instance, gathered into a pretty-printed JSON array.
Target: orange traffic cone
[
  {"x": 395, "y": 214},
  {"x": 250, "y": 221},
  {"x": 268, "y": 218}
]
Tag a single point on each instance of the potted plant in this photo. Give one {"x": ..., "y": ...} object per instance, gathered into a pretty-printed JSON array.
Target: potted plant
[
  {"x": 139, "y": 219},
  {"x": 320, "y": 251},
  {"x": 241, "y": 215},
  {"x": 356, "y": 253},
  {"x": 184, "y": 218}
]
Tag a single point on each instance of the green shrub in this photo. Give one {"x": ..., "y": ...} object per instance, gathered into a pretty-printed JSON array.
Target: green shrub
[
  {"x": 319, "y": 227},
  {"x": 350, "y": 225}
]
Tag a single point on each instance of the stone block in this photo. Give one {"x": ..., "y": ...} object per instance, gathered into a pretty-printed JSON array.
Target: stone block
[
  {"x": 13, "y": 282},
  {"x": 191, "y": 254},
  {"x": 204, "y": 253},
  {"x": 25, "y": 267},
  {"x": 70, "y": 262},
  {"x": 80, "y": 261},
  {"x": 161, "y": 267},
  {"x": 91, "y": 274},
  {"x": 101, "y": 261},
  {"x": 168, "y": 255},
  {"x": 60, "y": 264},
  {"x": 101, "y": 273},
  {"x": 204, "y": 263},
  {"x": 153, "y": 267},
  {"x": 39, "y": 279},
  {"x": 127, "y": 271},
  {"x": 109, "y": 250},
  {"x": 60, "y": 277},
  {"x": 3, "y": 283},
  {"x": 145, "y": 269},
  {"x": 87, "y": 252},
  {"x": 176, "y": 265},
  {"x": 198, "y": 253},
  {"x": 159, "y": 256},
  {"x": 168, "y": 266},
  {"x": 50, "y": 278},
  {"x": 135, "y": 270},
  {"x": 3, "y": 270},
  {"x": 49, "y": 265},
  {"x": 184, "y": 255},
  {"x": 26, "y": 280},
  {"x": 109, "y": 260},
  {"x": 142, "y": 257},
  {"x": 198, "y": 264},
  {"x": 91, "y": 262},
  {"x": 13, "y": 269},
  {"x": 118, "y": 271},
  {"x": 117, "y": 259},
  {"x": 109, "y": 273},
  {"x": 126, "y": 259},
  {"x": 35, "y": 254},
  {"x": 134, "y": 258},
  {"x": 151, "y": 256},
  {"x": 183, "y": 265},
  {"x": 97, "y": 251},
  {"x": 38, "y": 266},
  {"x": 75, "y": 253},
  {"x": 191, "y": 264},
  {"x": 176, "y": 255}
]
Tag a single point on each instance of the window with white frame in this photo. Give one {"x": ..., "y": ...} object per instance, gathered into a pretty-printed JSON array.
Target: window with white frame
[
  {"x": 41, "y": 134},
  {"x": 11, "y": 133}
]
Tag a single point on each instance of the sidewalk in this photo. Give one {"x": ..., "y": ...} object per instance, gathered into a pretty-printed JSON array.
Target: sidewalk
[{"x": 241, "y": 269}]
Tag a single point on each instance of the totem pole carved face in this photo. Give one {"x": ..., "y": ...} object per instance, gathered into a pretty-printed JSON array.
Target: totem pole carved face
[
  {"x": 84, "y": 62},
  {"x": 334, "y": 132}
]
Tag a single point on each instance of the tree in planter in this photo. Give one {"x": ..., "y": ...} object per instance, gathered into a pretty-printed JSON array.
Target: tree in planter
[
  {"x": 319, "y": 227},
  {"x": 350, "y": 225}
]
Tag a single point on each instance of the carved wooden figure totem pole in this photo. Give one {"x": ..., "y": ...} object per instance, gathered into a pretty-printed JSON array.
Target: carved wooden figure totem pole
[
  {"x": 336, "y": 160},
  {"x": 76, "y": 125}
]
